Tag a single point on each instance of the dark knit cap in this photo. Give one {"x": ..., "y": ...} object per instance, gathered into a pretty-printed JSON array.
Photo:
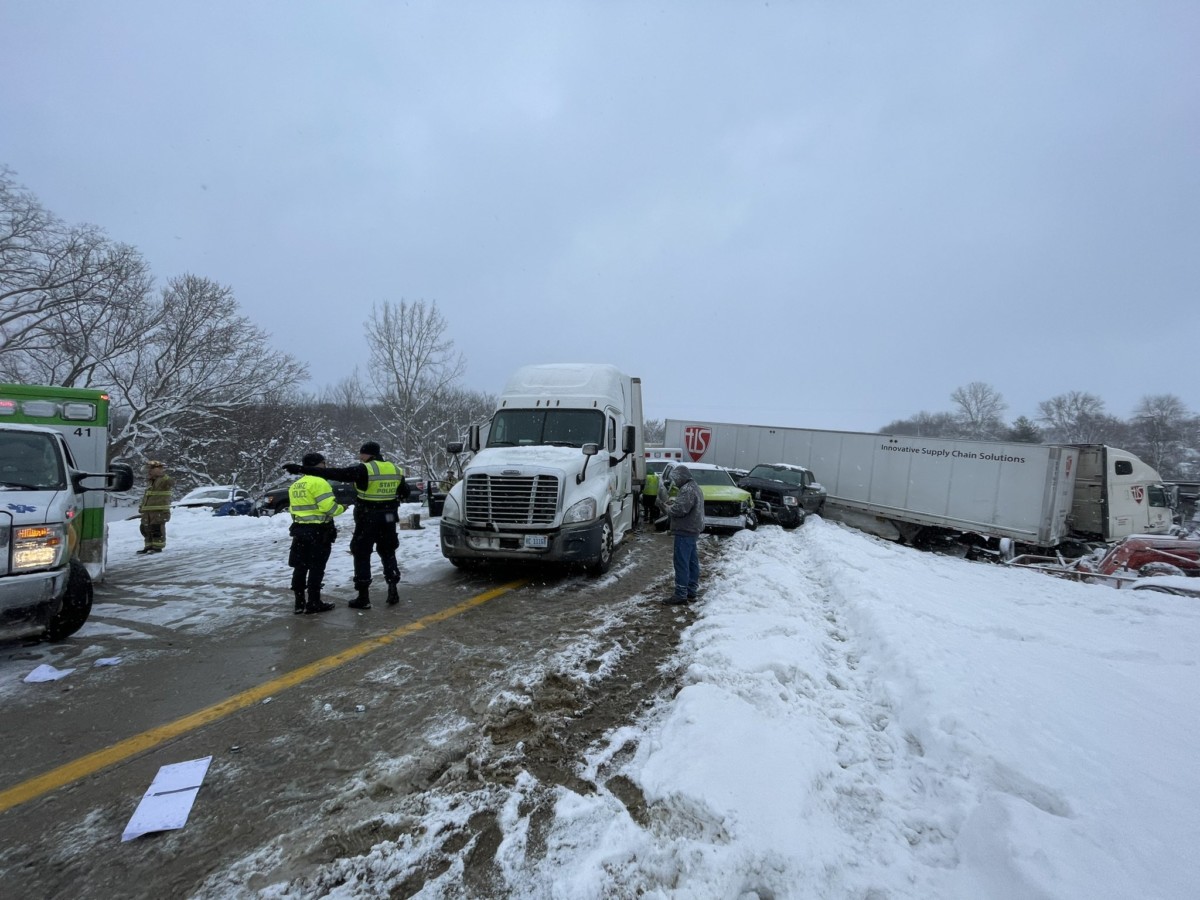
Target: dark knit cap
[
  {"x": 370, "y": 448},
  {"x": 312, "y": 459}
]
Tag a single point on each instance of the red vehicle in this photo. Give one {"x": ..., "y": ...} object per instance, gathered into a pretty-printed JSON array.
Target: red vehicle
[
  {"x": 1137, "y": 552},
  {"x": 1136, "y": 556}
]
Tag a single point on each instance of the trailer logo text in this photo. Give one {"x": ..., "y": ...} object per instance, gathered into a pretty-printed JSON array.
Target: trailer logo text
[
  {"x": 696, "y": 439},
  {"x": 942, "y": 452}
]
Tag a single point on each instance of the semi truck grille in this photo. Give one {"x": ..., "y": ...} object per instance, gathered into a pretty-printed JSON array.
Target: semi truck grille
[{"x": 511, "y": 499}]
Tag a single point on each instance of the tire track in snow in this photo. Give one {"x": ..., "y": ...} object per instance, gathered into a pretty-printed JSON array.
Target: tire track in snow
[{"x": 877, "y": 760}]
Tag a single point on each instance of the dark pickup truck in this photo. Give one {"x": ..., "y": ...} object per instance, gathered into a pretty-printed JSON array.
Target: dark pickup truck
[{"x": 783, "y": 493}]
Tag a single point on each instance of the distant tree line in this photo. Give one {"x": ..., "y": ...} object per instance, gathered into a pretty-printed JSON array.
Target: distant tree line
[
  {"x": 194, "y": 381},
  {"x": 1162, "y": 431}
]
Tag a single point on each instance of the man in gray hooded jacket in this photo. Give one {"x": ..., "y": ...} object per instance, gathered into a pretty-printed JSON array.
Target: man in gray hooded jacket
[{"x": 686, "y": 511}]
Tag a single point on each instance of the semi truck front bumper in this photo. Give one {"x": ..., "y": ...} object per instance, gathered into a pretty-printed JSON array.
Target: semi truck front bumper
[
  {"x": 571, "y": 543},
  {"x": 29, "y": 602}
]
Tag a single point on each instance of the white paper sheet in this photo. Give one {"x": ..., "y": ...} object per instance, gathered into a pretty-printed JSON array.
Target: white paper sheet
[
  {"x": 46, "y": 672},
  {"x": 168, "y": 801}
]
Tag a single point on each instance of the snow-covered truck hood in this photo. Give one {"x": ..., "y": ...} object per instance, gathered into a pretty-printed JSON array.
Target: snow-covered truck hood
[{"x": 530, "y": 460}]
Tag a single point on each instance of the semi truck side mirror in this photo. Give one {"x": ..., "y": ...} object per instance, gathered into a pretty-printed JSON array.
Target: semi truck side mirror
[
  {"x": 629, "y": 439},
  {"x": 473, "y": 438},
  {"x": 589, "y": 450},
  {"x": 454, "y": 448}
]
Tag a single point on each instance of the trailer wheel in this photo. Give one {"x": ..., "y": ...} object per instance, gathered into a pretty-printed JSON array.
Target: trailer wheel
[
  {"x": 76, "y": 605},
  {"x": 601, "y": 563}
]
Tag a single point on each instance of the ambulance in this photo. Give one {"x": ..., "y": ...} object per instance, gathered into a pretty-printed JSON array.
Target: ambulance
[{"x": 54, "y": 478}]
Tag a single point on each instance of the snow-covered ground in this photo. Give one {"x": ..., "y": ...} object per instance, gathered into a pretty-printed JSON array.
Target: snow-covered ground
[{"x": 861, "y": 720}]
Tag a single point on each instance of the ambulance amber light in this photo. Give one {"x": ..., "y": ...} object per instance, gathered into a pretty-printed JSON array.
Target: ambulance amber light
[{"x": 33, "y": 532}]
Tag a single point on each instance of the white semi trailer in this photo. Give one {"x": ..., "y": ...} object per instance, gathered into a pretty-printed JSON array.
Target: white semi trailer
[
  {"x": 901, "y": 487},
  {"x": 559, "y": 475}
]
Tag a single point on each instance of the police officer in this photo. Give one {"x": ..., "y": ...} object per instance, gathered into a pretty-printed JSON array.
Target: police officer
[
  {"x": 313, "y": 508},
  {"x": 155, "y": 507},
  {"x": 380, "y": 488}
]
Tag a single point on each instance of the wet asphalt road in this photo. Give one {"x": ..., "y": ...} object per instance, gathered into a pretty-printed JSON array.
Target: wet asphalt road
[{"x": 301, "y": 768}]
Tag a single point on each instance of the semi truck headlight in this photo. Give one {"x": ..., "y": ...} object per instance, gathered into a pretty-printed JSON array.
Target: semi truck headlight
[
  {"x": 451, "y": 512},
  {"x": 38, "y": 547},
  {"x": 583, "y": 511}
]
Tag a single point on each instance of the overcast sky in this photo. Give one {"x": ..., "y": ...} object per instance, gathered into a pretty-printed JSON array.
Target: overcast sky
[{"x": 812, "y": 214}]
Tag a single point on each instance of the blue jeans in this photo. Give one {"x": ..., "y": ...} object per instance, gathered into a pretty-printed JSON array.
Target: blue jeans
[{"x": 687, "y": 566}]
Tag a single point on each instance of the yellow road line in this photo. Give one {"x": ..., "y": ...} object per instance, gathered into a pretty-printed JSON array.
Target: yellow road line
[{"x": 139, "y": 743}]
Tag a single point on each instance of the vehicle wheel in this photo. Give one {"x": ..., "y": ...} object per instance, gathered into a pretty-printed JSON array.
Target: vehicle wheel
[
  {"x": 601, "y": 564},
  {"x": 751, "y": 522},
  {"x": 821, "y": 508},
  {"x": 76, "y": 605},
  {"x": 799, "y": 520},
  {"x": 459, "y": 563}
]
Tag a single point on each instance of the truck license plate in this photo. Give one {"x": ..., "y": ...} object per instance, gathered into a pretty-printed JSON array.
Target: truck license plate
[{"x": 535, "y": 541}]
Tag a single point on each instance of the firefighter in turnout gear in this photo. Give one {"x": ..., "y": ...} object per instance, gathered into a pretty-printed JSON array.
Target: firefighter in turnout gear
[
  {"x": 155, "y": 507},
  {"x": 313, "y": 508},
  {"x": 380, "y": 489}
]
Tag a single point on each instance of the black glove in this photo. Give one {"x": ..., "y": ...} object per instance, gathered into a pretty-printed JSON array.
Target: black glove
[{"x": 292, "y": 468}]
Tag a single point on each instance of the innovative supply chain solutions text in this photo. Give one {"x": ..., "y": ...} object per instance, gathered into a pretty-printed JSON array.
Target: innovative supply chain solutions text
[{"x": 942, "y": 452}]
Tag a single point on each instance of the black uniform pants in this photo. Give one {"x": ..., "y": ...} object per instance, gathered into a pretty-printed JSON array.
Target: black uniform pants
[
  {"x": 310, "y": 552},
  {"x": 374, "y": 531}
]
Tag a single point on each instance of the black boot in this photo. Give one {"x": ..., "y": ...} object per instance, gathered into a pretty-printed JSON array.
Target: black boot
[
  {"x": 299, "y": 602},
  {"x": 316, "y": 604},
  {"x": 362, "y": 601},
  {"x": 393, "y": 595}
]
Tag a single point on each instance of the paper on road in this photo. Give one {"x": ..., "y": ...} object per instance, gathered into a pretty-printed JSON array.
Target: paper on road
[
  {"x": 168, "y": 801},
  {"x": 46, "y": 672}
]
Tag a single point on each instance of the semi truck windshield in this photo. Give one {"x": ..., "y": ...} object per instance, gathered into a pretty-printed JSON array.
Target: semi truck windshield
[{"x": 558, "y": 427}]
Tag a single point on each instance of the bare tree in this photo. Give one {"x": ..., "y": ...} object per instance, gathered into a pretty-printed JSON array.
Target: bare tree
[
  {"x": 1077, "y": 418},
  {"x": 69, "y": 297},
  {"x": 980, "y": 407},
  {"x": 925, "y": 424},
  {"x": 654, "y": 431},
  {"x": 1159, "y": 433},
  {"x": 201, "y": 362},
  {"x": 349, "y": 393},
  {"x": 413, "y": 365}
]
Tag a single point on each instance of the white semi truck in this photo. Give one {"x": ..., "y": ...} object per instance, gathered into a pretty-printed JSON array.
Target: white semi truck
[
  {"x": 53, "y": 480},
  {"x": 560, "y": 476},
  {"x": 900, "y": 487}
]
